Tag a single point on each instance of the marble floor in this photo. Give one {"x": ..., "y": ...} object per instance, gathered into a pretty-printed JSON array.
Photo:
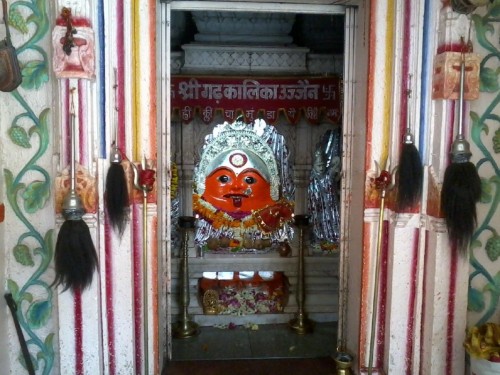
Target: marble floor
[{"x": 267, "y": 341}]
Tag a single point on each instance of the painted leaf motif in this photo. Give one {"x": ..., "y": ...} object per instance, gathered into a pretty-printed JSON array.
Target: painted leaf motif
[
  {"x": 36, "y": 196},
  {"x": 477, "y": 127},
  {"x": 39, "y": 313},
  {"x": 494, "y": 11},
  {"x": 496, "y": 142},
  {"x": 42, "y": 129},
  {"x": 493, "y": 248},
  {"x": 17, "y": 21},
  {"x": 49, "y": 343},
  {"x": 23, "y": 256},
  {"x": 483, "y": 28},
  {"x": 34, "y": 74},
  {"x": 476, "y": 300},
  {"x": 13, "y": 288},
  {"x": 493, "y": 287},
  {"x": 488, "y": 80},
  {"x": 19, "y": 136},
  {"x": 486, "y": 191},
  {"x": 27, "y": 297},
  {"x": 46, "y": 250},
  {"x": 475, "y": 244}
]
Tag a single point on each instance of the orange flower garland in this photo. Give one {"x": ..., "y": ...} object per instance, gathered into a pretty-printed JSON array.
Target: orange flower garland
[
  {"x": 267, "y": 219},
  {"x": 219, "y": 219}
]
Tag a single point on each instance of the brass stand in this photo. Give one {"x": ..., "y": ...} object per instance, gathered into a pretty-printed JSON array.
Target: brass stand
[
  {"x": 301, "y": 324},
  {"x": 343, "y": 362},
  {"x": 185, "y": 327}
]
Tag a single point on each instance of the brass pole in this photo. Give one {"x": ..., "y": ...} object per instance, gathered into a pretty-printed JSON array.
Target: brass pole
[
  {"x": 301, "y": 324},
  {"x": 185, "y": 328}
]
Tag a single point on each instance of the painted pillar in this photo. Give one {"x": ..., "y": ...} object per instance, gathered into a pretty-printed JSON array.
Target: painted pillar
[
  {"x": 102, "y": 329},
  {"x": 422, "y": 298},
  {"x": 27, "y": 119}
]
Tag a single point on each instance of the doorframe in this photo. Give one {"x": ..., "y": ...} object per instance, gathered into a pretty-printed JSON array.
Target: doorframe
[{"x": 355, "y": 74}]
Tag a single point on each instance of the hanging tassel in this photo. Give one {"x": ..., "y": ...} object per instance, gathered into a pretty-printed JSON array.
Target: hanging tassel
[
  {"x": 410, "y": 177},
  {"x": 461, "y": 185},
  {"x": 75, "y": 255},
  {"x": 116, "y": 198},
  {"x": 410, "y": 169}
]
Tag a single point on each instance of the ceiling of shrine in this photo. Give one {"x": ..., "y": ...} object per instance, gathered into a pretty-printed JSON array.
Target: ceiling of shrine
[{"x": 322, "y": 34}]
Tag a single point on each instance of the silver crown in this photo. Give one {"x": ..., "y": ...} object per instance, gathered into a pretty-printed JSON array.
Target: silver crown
[{"x": 229, "y": 140}]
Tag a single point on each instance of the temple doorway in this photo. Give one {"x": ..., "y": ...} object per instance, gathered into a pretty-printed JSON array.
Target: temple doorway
[{"x": 233, "y": 298}]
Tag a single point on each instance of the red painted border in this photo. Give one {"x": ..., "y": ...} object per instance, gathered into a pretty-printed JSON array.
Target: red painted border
[
  {"x": 66, "y": 111},
  {"x": 110, "y": 316},
  {"x": 451, "y": 310},
  {"x": 384, "y": 264},
  {"x": 136, "y": 251},
  {"x": 424, "y": 296},
  {"x": 410, "y": 332},
  {"x": 77, "y": 307}
]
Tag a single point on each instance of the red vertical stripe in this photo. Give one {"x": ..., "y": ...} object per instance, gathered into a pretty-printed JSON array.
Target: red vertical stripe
[
  {"x": 451, "y": 310},
  {"x": 66, "y": 122},
  {"x": 422, "y": 312},
  {"x": 410, "y": 332},
  {"x": 405, "y": 69},
  {"x": 110, "y": 317},
  {"x": 77, "y": 305},
  {"x": 382, "y": 296},
  {"x": 154, "y": 302},
  {"x": 136, "y": 245}
]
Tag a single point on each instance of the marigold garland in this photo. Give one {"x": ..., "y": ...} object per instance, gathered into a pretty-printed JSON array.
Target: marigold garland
[
  {"x": 217, "y": 218},
  {"x": 174, "y": 182}
]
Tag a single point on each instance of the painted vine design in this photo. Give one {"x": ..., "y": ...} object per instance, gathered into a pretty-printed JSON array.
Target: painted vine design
[
  {"x": 485, "y": 127},
  {"x": 29, "y": 190}
]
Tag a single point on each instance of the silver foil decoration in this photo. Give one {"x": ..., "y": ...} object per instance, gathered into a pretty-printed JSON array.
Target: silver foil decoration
[{"x": 323, "y": 191}]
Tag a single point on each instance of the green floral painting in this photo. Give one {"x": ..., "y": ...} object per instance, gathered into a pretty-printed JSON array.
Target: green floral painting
[
  {"x": 484, "y": 285},
  {"x": 28, "y": 190}
]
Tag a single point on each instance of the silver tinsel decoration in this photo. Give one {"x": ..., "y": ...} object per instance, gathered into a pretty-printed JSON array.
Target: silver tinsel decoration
[{"x": 323, "y": 190}]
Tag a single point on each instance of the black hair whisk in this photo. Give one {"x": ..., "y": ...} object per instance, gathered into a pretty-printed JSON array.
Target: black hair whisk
[
  {"x": 116, "y": 197},
  {"x": 461, "y": 185},
  {"x": 410, "y": 169},
  {"x": 75, "y": 256}
]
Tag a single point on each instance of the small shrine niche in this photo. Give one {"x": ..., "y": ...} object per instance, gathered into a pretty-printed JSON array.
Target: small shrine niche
[{"x": 256, "y": 142}]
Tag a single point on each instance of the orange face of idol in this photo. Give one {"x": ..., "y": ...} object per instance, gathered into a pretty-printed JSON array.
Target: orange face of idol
[{"x": 242, "y": 192}]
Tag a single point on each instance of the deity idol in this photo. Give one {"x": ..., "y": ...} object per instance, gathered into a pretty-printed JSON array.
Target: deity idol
[{"x": 238, "y": 197}]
